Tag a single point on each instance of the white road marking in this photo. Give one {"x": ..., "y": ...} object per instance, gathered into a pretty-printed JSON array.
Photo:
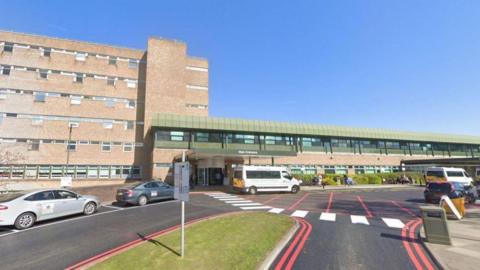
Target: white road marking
[
  {"x": 276, "y": 210},
  {"x": 225, "y": 197},
  {"x": 230, "y": 199},
  {"x": 246, "y": 204},
  {"x": 328, "y": 216},
  {"x": 255, "y": 207},
  {"x": 359, "y": 220},
  {"x": 114, "y": 207},
  {"x": 393, "y": 223},
  {"x": 299, "y": 213},
  {"x": 215, "y": 194},
  {"x": 238, "y": 201}
]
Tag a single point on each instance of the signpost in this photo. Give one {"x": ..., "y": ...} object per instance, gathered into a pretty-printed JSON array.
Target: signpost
[{"x": 182, "y": 187}]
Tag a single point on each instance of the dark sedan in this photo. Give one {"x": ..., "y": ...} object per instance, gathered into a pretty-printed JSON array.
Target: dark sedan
[
  {"x": 143, "y": 193},
  {"x": 435, "y": 190}
]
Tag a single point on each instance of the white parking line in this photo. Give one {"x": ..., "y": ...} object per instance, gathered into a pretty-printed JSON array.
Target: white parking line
[
  {"x": 393, "y": 223},
  {"x": 359, "y": 220},
  {"x": 299, "y": 213},
  {"x": 276, "y": 210},
  {"x": 238, "y": 201},
  {"x": 255, "y": 207},
  {"x": 246, "y": 204},
  {"x": 114, "y": 207},
  {"x": 224, "y": 197},
  {"x": 328, "y": 216}
]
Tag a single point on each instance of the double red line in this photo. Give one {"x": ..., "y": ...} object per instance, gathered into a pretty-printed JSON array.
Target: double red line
[
  {"x": 414, "y": 251},
  {"x": 290, "y": 256}
]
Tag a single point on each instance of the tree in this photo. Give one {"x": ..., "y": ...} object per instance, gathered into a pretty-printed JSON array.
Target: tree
[{"x": 9, "y": 154}]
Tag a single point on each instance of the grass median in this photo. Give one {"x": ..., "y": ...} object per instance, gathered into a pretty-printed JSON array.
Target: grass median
[{"x": 239, "y": 241}]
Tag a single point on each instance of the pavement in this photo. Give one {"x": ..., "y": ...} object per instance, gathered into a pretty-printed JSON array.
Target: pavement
[
  {"x": 464, "y": 253},
  {"x": 373, "y": 229},
  {"x": 359, "y": 187}
]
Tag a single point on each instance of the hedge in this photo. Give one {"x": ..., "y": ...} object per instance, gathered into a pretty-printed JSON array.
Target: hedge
[{"x": 362, "y": 179}]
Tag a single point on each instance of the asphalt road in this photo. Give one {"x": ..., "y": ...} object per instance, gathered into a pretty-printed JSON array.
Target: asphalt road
[
  {"x": 62, "y": 243},
  {"x": 329, "y": 244}
]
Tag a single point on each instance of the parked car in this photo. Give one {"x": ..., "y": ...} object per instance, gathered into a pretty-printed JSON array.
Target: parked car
[
  {"x": 253, "y": 179},
  {"x": 435, "y": 190},
  {"x": 143, "y": 193},
  {"x": 23, "y": 209}
]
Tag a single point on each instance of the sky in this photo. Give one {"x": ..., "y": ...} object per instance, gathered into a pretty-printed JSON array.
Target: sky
[{"x": 397, "y": 64}]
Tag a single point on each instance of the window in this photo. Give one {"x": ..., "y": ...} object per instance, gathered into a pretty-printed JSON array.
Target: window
[
  {"x": 131, "y": 84},
  {"x": 5, "y": 70},
  {"x": 435, "y": 173},
  {"x": 81, "y": 172},
  {"x": 127, "y": 147},
  {"x": 46, "y": 52},
  {"x": 76, "y": 100},
  {"x": 129, "y": 125},
  {"x": 107, "y": 125},
  {"x": 136, "y": 172},
  {"x": 92, "y": 172},
  {"x": 263, "y": 174},
  {"x": 44, "y": 172},
  {"x": 111, "y": 81},
  {"x": 39, "y": 97},
  {"x": 41, "y": 196},
  {"x": 78, "y": 78},
  {"x": 30, "y": 171},
  {"x": 110, "y": 103},
  {"x": 11, "y": 115},
  {"x": 454, "y": 174},
  {"x": 104, "y": 172},
  {"x": 72, "y": 146},
  {"x": 115, "y": 172},
  {"x": 57, "y": 171},
  {"x": 63, "y": 195},
  {"x": 80, "y": 56},
  {"x": 112, "y": 60},
  {"x": 132, "y": 63},
  {"x": 106, "y": 147},
  {"x": 8, "y": 47},
  {"x": 130, "y": 104},
  {"x": 43, "y": 74},
  {"x": 34, "y": 145}
]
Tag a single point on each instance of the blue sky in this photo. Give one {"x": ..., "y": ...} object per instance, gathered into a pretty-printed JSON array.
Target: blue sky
[{"x": 409, "y": 65}]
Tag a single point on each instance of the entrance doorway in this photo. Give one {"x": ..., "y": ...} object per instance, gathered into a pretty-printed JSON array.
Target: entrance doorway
[{"x": 210, "y": 176}]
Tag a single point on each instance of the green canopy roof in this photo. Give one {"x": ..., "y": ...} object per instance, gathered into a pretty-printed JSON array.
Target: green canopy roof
[{"x": 271, "y": 127}]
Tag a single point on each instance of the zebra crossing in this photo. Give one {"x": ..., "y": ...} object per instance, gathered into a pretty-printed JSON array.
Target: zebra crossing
[{"x": 245, "y": 204}]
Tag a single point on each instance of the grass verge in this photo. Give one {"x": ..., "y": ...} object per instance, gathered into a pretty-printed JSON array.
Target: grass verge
[{"x": 239, "y": 241}]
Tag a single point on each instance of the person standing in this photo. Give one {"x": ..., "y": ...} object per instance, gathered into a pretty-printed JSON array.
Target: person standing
[{"x": 322, "y": 181}]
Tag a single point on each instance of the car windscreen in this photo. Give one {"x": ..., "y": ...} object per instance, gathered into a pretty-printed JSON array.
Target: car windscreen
[
  {"x": 237, "y": 174},
  {"x": 10, "y": 196},
  {"x": 454, "y": 173},
  {"x": 439, "y": 187}
]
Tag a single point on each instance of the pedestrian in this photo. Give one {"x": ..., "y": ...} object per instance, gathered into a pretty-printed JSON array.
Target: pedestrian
[
  {"x": 322, "y": 181},
  {"x": 345, "y": 180}
]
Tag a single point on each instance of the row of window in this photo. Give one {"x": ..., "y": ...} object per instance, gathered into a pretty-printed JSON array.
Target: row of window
[
  {"x": 74, "y": 99},
  {"x": 338, "y": 169},
  {"x": 74, "y": 122},
  {"x": 34, "y": 144},
  {"x": 325, "y": 143},
  {"x": 9, "y": 47},
  {"x": 76, "y": 77},
  {"x": 75, "y": 171}
]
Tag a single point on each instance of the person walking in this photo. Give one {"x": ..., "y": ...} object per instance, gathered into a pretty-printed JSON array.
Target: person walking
[
  {"x": 345, "y": 180},
  {"x": 322, "y": 181}
]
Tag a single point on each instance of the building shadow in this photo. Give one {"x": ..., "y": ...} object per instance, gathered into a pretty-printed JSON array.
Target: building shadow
[{"x": 157, "y": 243}]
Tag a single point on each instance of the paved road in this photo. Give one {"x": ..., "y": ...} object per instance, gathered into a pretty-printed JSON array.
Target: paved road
[
  {"x": 62, "y": 243},
  {"x": 337, "y": 241}
]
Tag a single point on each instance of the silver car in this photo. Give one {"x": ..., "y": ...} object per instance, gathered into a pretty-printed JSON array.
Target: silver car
[{"x": 23, "y": 209}]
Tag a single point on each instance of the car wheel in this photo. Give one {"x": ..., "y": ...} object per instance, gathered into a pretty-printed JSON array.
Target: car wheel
[
  {"x": 295, "y": 189},
  {"x": 142, "y": 200},
  {"x": 252, "y": 191},
  {"x": 89, "y": 208},
  {"x": 25, "y": 221}
]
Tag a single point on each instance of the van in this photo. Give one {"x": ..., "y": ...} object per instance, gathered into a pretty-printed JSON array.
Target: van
[
  {"x": 253, "y": 179},
  {"x": 436, "y": 174}
]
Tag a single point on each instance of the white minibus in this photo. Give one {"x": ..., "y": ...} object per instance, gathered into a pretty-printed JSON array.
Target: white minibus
[{"x": 253, "y": 179}]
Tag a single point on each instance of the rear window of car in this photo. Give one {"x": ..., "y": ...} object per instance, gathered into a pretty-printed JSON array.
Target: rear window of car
[
  {"x": 454, "y": 174},
  {"x": 435, "y": 173},
  {"x": 440, "y": 187},
  {"x": 458, "y": 186},
  {"x": 10, "y": 196}
]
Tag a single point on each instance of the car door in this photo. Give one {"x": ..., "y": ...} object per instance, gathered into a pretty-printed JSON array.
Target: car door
[
  {"x": 153, "y": 190},
  {"x": 68, "y": 203},
  {"x": 44, "y": 204},
  {"x": 166, "y": 190}
]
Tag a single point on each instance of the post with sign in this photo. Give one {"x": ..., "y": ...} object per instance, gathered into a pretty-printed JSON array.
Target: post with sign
[{"x": 182, "y": 187}]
